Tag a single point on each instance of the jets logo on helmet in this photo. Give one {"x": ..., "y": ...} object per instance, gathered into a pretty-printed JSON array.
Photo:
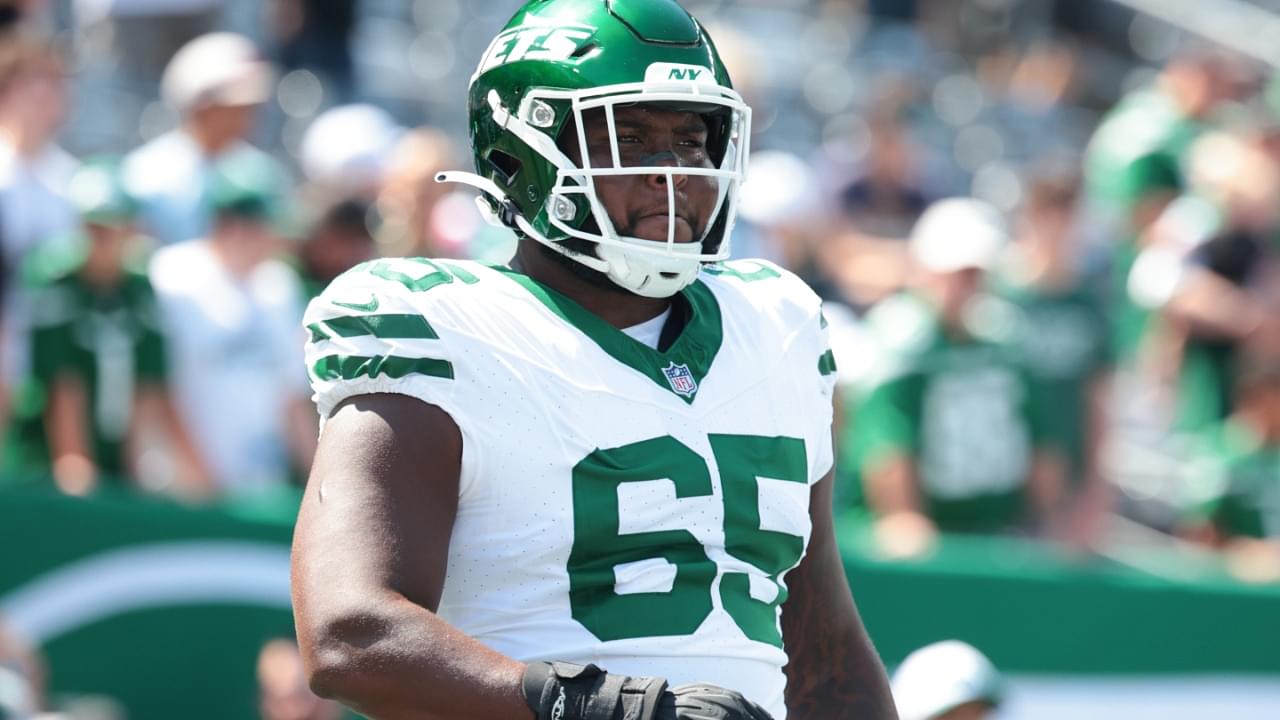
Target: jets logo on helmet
[
  {"x": 534, "y": 43},
  {"x": 555, "y": 61}
]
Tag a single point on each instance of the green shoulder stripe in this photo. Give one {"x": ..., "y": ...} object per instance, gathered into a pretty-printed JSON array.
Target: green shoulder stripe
[
  {"x": 744, "y": 270},
  {"x": 400, "y": 327},
  {"x": 827, "y": 363},
  {"x": 350, "y": 367}
]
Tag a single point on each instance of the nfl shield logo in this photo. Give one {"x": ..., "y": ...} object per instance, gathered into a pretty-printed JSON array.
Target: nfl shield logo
[{"x": 681, "y": 379}]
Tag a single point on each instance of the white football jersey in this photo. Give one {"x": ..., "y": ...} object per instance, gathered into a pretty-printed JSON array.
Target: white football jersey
[{"x": 618, "y": 505}]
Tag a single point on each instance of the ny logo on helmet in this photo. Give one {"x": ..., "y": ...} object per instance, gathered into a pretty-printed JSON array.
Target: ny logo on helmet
[
  {"x": 536, "y": 42},
  {"x": 661, "y": 72}
]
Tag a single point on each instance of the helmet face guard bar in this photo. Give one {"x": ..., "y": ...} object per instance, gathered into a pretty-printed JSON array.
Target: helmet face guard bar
[
  {"x": 572, "y": 180},
  {"x": 654, "y": 268}
]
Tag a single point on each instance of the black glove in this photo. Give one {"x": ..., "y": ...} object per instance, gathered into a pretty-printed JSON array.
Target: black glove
[
  {"x": 700, "y": 701},
  {"x": 564, "y": 691}
]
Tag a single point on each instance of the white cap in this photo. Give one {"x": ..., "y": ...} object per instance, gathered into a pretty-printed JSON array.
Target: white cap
[
  {"x": 349, "y": 146},
  {"x": 942, "y": 676},
  {"x": 780, "y": 188},
  {"x": 958, "y": 234},
  {"x": 216, "y": 69}
]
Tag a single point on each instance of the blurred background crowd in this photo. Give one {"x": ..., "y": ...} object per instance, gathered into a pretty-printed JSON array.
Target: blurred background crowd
[{"x": 1046, "y": 232}]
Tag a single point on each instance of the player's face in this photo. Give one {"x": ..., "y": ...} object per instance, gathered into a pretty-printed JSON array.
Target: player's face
[
  {"x": 109, "y": 242},
  {"x": 649, "y": 136}
]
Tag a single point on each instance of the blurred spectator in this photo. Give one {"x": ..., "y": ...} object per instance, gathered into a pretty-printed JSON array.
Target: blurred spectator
[
  {"x": 315, "y": 35},
  {"x": 283, "y": 692},
  {"x": 1064, "y": 338},
  {"x": 780, "y": 207},
  {"x": 19, "y": 15},
  {"x": 1134, "y": 166},
  {"x": 945, "y": 437},
  {"x": 1237, "y": 477},
  {"x": 411, "y": 196},
  {"x": 233, "y": 313},
  {"x": 888, "y": 196},
  {"x": 949, "y": 680},
  {"x": 340, "y": 240},
  {"x": 99, "y": 356},
  {"x": 145, "y": 34},
  {"x": 347, "y": 150},
  {"x": 880, "y": 205},
  {"x": 1226, "y": 295},
  {"x": 423, "y": 218},
  {"x": 216, "y": 82},
  {"x": 34, "y": 171}
]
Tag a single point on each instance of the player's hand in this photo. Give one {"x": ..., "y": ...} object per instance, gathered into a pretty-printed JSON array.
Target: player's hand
[
  {"x": 564, "y": 691},
  {"x": 700, "y": 701}
]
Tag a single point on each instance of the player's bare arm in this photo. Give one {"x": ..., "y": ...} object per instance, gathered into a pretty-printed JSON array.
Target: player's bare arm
[
  {"x": 833, "y": 671},
  {"x": 369, "y": 559}
]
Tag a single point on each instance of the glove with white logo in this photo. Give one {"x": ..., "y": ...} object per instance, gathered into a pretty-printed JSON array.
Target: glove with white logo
[{"x": 564, "y": 691}]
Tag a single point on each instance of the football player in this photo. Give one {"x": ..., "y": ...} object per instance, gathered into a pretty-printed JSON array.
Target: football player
[{"x": 596, "y": 483}]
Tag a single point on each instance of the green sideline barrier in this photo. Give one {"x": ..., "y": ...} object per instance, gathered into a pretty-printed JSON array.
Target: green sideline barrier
[
  {"x": 1033, "y": 609},
  {"x": 164, "y": 607}
]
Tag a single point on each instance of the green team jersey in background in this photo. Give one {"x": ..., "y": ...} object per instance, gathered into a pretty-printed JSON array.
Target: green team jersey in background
[
  {"x": 1238, "y": 478},
  {"x": 1137, "y": 150},
  {"x": 961, "y": 409},
  {"x": 111, "y": 340},
  {"x": 1064, "y": 339}
]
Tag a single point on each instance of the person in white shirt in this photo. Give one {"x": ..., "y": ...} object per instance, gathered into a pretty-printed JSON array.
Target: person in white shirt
[
  {"x": 233, "y": 314},
  {"x": 216, "y": 83},
  {"x": 34, "y": 172}
]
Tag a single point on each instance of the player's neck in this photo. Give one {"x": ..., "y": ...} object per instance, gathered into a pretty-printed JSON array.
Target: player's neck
[{"x": 615, "y": 306}]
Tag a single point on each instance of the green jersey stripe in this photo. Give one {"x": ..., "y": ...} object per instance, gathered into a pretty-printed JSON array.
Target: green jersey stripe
[
  {"x": 400, "y": 327},
  {"x": 466, "y": 277},
  {"x": 350, "y": 367},
  {"x": 680, "y": 368},
  {"x": 827, "y": 363}
]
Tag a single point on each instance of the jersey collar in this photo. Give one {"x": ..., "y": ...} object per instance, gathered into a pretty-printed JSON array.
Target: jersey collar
[{"x": 680, "y": 369}]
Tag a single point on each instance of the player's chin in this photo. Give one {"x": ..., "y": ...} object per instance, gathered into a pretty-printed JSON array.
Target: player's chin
[{"x": 656, "y": 228}]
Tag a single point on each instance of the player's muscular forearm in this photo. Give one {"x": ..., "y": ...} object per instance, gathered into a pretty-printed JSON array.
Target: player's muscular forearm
[
  {"x": 403, "y": 663},
  {"x": 833, "y": 671},
  {"x": 370, "y": 553}
]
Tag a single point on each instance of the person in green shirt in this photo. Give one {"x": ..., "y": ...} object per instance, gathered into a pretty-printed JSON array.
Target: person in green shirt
[
  {"x": 1233, "y": 501},
  {"x": 98, "y": 354},
  {"x": 1238, "y": 465},
  {"x": 1135, "y": 166},
  {"x": 1063, "y": 338},
  {"x": 945, "y": 436},
  {"x": 1225, "y": 302}
]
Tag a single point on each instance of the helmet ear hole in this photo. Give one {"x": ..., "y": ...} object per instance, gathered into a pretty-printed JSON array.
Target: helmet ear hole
[{"x": 507, "y": 166}]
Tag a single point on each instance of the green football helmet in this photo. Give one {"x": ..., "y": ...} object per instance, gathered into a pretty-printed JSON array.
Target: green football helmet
[{"x": 557, "y": 59}]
